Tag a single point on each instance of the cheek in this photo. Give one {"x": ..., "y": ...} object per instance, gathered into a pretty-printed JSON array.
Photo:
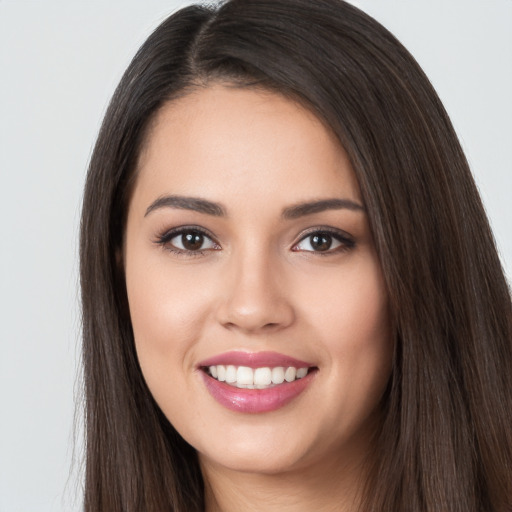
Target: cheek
[
  {"x": 351, "y": 319},
  {"x": 351, "y": 306},
  {"x": 168, "y": 310},
  {"x": 168, "y": 313}
]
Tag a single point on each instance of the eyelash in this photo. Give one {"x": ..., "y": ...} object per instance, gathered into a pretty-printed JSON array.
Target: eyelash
[
  {"x": 165, "y": 241},
  {"x": 346, "y": 241}
]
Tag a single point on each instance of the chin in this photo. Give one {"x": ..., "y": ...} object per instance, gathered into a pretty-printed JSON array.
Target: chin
[
  {"x": 253, "y": 461},
  {"x": 268, "y": 450}
]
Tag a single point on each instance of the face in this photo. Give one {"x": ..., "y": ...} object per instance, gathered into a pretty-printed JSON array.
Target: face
[{"x": 256, "y": 296}]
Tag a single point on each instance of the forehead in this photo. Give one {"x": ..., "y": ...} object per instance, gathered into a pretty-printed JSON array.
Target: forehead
[{"x": 222, "y": 141}]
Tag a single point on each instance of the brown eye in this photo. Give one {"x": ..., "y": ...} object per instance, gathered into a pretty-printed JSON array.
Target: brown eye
[
  {"x": 192, "y": 241},
  {"x": 325, "y": 242},
  {"x": 187, "y": 241},
  {"x": 320, "y": 242}
]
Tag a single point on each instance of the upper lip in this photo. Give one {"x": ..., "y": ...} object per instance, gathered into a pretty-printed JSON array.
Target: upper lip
[{"x": 254, "y": 360}]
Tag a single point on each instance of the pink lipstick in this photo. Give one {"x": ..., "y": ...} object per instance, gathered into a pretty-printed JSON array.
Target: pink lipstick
[{"x": 255, "y": 382}]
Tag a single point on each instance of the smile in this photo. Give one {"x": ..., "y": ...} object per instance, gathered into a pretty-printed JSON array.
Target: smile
[
  {"x": 255, "y": 378},
  {"x": 256, "y": 382}
]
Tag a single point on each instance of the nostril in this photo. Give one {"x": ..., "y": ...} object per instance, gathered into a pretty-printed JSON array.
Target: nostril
[
  {"x": 253, "y": 305},
  {"x": 250, "y": 325}
]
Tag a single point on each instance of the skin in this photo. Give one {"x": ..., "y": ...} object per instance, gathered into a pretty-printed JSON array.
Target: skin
[{"x": 258, "y": 285}]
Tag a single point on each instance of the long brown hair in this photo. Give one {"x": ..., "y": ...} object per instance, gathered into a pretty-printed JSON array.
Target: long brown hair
[{"x": 446, "y": 438}]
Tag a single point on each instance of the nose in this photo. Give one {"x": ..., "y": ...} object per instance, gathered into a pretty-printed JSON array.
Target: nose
[{"x": 256, "y": 298}]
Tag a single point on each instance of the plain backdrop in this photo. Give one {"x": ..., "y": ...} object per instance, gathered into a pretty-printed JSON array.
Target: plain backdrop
[{"x": 59, "y": 64}]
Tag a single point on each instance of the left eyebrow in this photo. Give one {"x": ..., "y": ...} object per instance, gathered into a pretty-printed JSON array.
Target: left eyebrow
[{"x": 309, "y": 208}]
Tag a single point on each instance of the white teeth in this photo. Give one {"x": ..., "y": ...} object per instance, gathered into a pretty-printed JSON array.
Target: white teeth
[
  {"x": 257, "y": 378},
  {"x": 262, "y": 376},
  {"x": 230, "y": 374},
  {"x": 278, "y": 375},
  {"x": 221, "y": 373},
  {"x": 301, "y": 372},
  {"x": 244, "y": 375},
  {"x": 290, "y": 374}
]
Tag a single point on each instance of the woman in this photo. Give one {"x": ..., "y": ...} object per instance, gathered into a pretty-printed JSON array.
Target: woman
[{"x": 291, "y": 295}]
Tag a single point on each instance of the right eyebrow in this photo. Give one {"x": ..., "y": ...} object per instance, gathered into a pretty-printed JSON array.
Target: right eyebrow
[{"x": 187, "y": 203}]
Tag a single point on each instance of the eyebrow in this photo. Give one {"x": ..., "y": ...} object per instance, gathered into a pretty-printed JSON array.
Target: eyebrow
[
  {"x": 187, "y": 203},
  {"x": 311, "y": 207},
  {"x": 291, "y": 212}
]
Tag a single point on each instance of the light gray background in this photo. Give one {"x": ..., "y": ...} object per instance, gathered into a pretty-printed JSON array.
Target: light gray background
[{"x": 59, "y": 63}]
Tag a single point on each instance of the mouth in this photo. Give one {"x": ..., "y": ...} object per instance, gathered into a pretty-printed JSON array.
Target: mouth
[
  {"x": 256, "y": 382},
  {"x": 265, "y": 377}
]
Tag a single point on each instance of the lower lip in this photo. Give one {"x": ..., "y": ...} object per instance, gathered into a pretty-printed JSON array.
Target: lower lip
[{"x": 256, "y": 400}]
